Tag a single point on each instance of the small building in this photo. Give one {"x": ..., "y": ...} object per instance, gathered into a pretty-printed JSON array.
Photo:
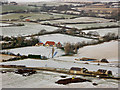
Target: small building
[
  {"x": 50, "y": 43},
  {"x": 87, "y": 59},
  {"x": 27, "y": 20},
  {"x": 104, "y": 72},
  {"x": 69, "y": 31},
  {"x": 44, "y": 58},
  {"x": 59, "y": 44},
  {"x": 34, "y": 56},
  {"x": 82, "y": 33},
  {"x": 93, "y": 33},
  {"x": 76, "y": 70},
  {"x": 104, "y": 60},
  {"x": 39, "y": 44},
  {"x": 100, "y": 38}
]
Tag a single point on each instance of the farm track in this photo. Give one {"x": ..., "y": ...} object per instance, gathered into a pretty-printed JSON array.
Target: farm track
[
  {"x": 82, "y": 63},
  {"x": 61, "y": 70}
]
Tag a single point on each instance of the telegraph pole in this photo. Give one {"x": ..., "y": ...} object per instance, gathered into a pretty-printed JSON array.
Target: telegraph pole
[{"x": 53, "y": 51}]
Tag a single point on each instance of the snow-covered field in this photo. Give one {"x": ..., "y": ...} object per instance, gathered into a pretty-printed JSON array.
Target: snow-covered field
[
  {"x": 62, "y": 38},
  {"x": 103, "y": 32},
  {"x": 4, "y": 24},
  {"x": 80, "y": 19},
  {"x": 81, "y": 26},
  {"x": 60, "y": 64},
  {"x": 108, "y": 50},
  {"x": 28, "y": 29},
  {"x": 37, "y": 50},
  {"x": 45, "y": 79}
]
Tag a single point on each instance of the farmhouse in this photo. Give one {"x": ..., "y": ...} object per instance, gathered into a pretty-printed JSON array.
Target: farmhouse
[
  {"x": 76, "y": 70},
  {"x": 50, "y": 43}
]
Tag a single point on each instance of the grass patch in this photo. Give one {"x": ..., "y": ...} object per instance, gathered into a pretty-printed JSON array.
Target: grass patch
[{"x": 7, "y": 8}]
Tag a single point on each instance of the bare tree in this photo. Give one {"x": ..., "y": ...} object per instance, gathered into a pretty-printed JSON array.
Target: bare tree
[
  {"x": 76, "y": 48},
  {"x": 68, "y": 48}
]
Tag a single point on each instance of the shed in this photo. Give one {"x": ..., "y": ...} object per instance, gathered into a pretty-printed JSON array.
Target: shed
[
  {"x": 77, "y": 70},
  {"x": 104, "y": 60},
  {"x": 39, "y": 44},
  {"x": 59, "y": 44},
  {"x": 87, "y": 59}
]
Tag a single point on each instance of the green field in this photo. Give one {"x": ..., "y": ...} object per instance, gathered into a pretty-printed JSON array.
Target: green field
[
  {"x": 7, "y": 8},
  {"x": 49, "y": 3}
]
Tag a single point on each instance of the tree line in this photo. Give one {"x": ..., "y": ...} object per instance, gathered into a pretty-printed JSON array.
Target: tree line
[
  {"x": 14, "y": 42},
  {"x": 73, "y": 48}
]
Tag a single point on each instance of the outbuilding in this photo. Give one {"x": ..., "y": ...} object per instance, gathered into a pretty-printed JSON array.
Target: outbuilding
[
  {"x": 77, "y": 70},
  {"x": 59, "y": 44},
  {"x": 104, "y": 72}
]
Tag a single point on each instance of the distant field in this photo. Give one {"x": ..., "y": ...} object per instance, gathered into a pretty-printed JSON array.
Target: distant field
[
  {"x": 80, "y": 19},
  {"x": 49, "y": 3},
  {"x": 104, "y": 9},
  {"x": 81, "y": 26},
  {"x": 35, "y": 16},
  {"x": 6, "y": 8},
  {"x": 103, "y": 32}
]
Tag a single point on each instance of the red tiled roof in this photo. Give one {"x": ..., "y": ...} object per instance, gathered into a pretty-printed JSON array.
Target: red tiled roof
[
  {"x": 40, "y": 43},
  {"x": 27, "y": 20},
  {"x": 50, "y": 43},
  {"x": 59, "y": 43}
]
